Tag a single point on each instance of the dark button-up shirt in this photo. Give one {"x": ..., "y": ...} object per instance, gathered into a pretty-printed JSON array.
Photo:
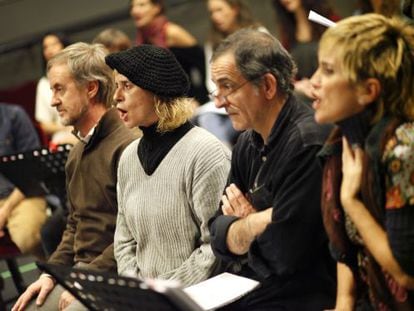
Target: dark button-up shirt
[{"x": 286, "y": 175}]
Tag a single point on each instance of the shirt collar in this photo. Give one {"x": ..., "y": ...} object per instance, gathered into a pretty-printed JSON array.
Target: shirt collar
[
  {"x": 256, "y": 138},
  {"x": 87, "y": 137}
]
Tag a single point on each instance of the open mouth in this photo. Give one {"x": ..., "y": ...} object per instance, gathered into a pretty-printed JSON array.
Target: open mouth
[
  {"x": 316, "y": 103},
  {"x": 123, "y": 114}
]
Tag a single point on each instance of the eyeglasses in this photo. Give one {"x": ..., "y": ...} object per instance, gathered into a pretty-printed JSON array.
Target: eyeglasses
[{"x": 214, "y": 94}]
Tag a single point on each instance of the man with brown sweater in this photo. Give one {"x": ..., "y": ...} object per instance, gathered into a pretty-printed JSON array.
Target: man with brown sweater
[{"x": 82, "y": 86}]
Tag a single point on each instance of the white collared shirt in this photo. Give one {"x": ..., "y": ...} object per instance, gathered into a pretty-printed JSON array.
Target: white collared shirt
[{"x": 87, "y": 137}]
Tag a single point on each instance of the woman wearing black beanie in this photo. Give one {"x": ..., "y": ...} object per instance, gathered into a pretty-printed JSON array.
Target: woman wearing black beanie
[{"x": 171, "y": 179}]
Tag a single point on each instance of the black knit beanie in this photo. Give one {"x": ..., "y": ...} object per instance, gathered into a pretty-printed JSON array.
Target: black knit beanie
[{"x": 152, "y": 68}]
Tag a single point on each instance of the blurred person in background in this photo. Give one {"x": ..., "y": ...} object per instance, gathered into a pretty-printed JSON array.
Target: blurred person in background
[
  {"x": 387, "y": 8},
  {"x": 408, "y": 8},
  {"x": 300, "y": 37},
  {"x": 154, "y": 27},
  {"x": 226, "y": 17},
  {"x": 47, "y": 117},
  {"x": 22, "y": 217},
  {"x": 113, "y": 39}
]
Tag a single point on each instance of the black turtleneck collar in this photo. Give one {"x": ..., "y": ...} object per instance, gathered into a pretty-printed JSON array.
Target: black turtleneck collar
[
  {"x": 356, "y": 127},
  {"x": 154, "y": 146}
]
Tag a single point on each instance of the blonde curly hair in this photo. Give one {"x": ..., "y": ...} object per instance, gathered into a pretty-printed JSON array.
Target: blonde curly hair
[{"x": 172, "y": 112}]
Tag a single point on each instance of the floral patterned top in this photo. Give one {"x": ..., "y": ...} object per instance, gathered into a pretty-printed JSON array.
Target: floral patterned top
[
  {"x": 398, "y": 159},
  {"x": 389, "y": 196}
]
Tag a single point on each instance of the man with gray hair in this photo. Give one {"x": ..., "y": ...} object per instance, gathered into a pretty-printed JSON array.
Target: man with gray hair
[
  {"x": 83, "y": 86},
  {"x": 269, "y": 225}
]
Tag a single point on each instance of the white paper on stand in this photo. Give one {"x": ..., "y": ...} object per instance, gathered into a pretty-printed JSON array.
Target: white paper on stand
[
  {"x": 319, "y": 19},
  {"x": 220, "y": 290}
]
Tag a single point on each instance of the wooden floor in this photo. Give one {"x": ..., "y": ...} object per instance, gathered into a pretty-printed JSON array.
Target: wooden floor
[{"x": 29, "y": 271}]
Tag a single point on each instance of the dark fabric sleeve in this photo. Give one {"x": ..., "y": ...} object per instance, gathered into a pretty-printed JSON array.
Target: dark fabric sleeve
[
  {"x": 25, "y": 135},
  {"x": 219, "y": 224},
  {"x": 105, "y": 261},
  {"x": 400, "y": 231},
  {"x": 219, "y": 227},
  {"x": 64, "y": 254},
  {"x": 296, "y": 234}
]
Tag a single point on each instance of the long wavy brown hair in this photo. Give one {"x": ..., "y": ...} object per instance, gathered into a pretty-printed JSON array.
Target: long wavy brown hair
[
  {"x": 287, "y": 23},
  {"x": 244, "y": 19}
]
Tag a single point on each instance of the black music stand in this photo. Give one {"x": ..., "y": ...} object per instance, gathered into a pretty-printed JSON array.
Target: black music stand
[
  {"x": 37, "y": 172},
  {"x": 107, "y": 291}
]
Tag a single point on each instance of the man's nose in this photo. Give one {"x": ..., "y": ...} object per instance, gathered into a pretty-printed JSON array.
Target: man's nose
[
  {"x": 54, "y": 101},
  {"x": 220, "y": 101}
]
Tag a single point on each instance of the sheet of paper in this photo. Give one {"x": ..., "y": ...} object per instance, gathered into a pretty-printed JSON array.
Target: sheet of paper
[
  {"x": 220, "y": 290},
  {"x": 319, "y": 19}
]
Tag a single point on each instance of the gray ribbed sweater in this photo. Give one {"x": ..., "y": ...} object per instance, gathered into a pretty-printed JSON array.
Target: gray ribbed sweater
[{"x": 162, "y": 219}]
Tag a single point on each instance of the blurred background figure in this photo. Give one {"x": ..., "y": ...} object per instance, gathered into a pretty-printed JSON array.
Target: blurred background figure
[
  {"x": 113, "y": 39},
  {"x": 301, "y": 36},
  {"x": 153, "y": 27},
  {"x": 363, "y": 7},
  {"x": 44, "y": 113},
  {"x": 22, "y": 217},
  {"x": 387, "y": 8},
  {"x": 408, "y": 8},
  {"x": 226, "y": 17}
]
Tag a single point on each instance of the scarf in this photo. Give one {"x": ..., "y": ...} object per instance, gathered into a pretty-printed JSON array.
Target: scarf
[
  {"x": 155, "y": 33},
  {"x": 373, "y": 283}
]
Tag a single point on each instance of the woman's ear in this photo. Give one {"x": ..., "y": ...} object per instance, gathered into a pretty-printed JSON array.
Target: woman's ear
[
  {"x": 368, "y": 91},
  {"x": 269, "y": 85}
]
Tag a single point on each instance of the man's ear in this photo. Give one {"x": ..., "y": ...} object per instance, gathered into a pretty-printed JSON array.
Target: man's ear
[
  {"x": 93, "y": 87},
  {"x": 368, "y": 91},
  {"x": 269, "y": 85}
]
